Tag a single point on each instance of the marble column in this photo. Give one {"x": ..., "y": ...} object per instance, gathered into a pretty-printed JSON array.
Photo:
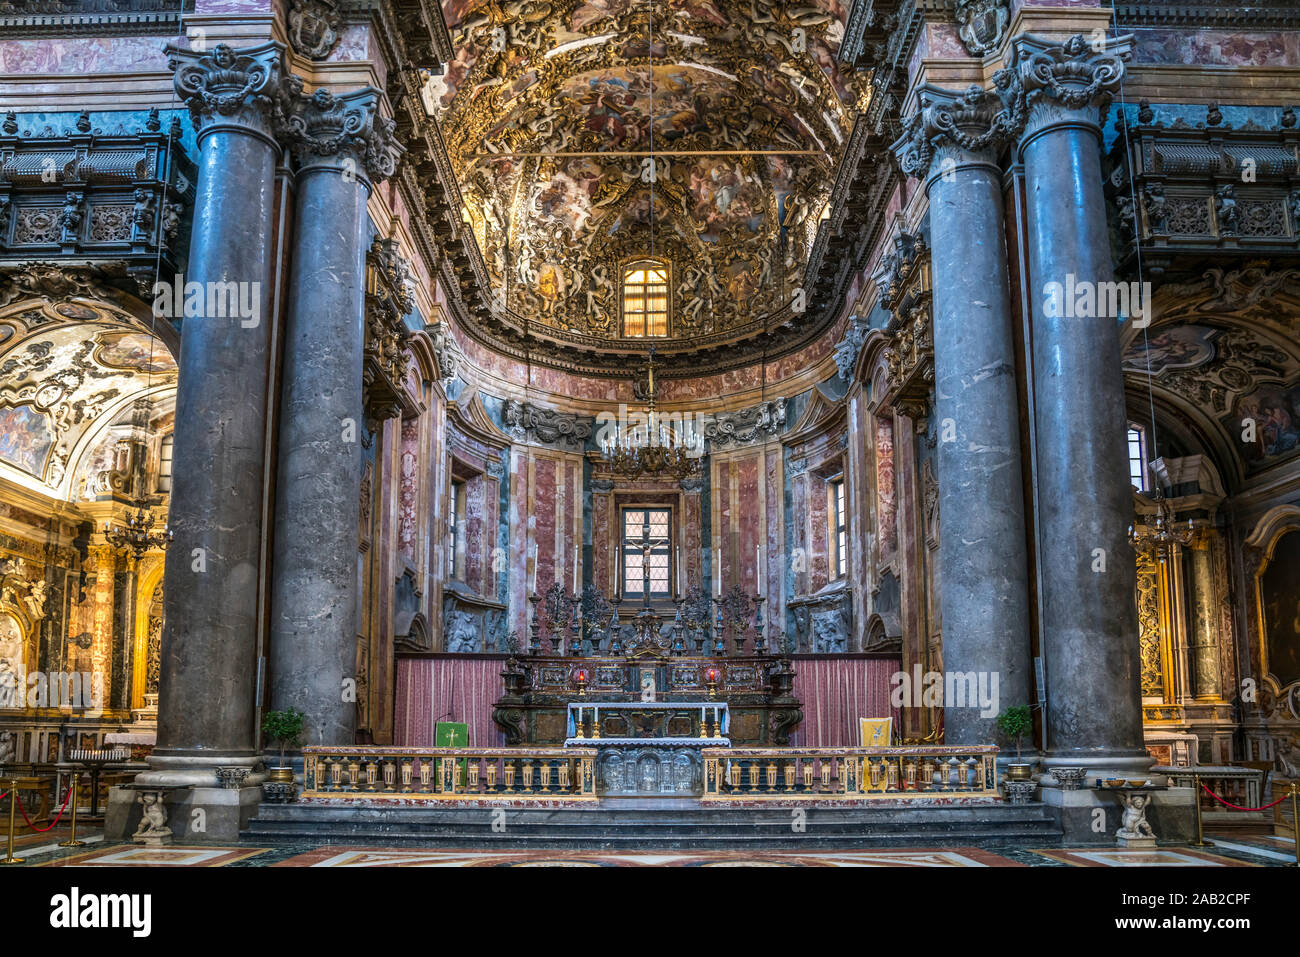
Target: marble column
[
  {"x": 341, "y": 145},
  {"x": 208, "y": 658},
  {"x": 951, "y": 143},
  {"x": 1089, "y": 617}
]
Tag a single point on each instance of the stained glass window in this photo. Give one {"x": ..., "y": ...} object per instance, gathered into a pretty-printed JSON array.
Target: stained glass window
[
  {"x": 652, "y": 525},
  {"x": 645, "y": 300}
]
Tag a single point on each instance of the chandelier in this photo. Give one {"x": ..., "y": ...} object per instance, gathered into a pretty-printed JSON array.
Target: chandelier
[
  {"x": 138, "y": 535},
  {"x": 654, "y": 447},
  {"x": 1163, "y": 533}
]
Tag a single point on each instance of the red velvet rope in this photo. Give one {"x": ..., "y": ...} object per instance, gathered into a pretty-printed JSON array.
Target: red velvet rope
[
  {"x": 42, "y": 830},
  {"x": 1236, "y": 807}
]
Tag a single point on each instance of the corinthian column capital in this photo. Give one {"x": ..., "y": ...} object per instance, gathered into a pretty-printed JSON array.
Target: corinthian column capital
[
  {"x": 228, "y": 88},
  {"x": 952, "y": 128},
  {"x": 342, "y": 132},
  {"x": 1067, "y": 82}
]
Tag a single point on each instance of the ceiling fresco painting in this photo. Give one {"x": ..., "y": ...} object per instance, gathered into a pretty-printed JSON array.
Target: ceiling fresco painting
[
  {"x": 1227, "y": 345},
  {"x": 553, "y": 107},
  {"x": 64, "y": 369}
]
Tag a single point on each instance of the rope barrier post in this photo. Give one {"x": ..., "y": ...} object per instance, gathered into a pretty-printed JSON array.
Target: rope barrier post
[
  {"x": 13, "y": 802},
  {"x": 1196, "y": 799},
  {"x": 1295, "y": 822},
  {"x": 72, "y": 838}
]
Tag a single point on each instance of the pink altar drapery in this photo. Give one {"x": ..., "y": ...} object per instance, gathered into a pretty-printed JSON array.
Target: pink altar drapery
[
  {"x": 836, "y": 692},
  {"x": 461, "y": 688}
]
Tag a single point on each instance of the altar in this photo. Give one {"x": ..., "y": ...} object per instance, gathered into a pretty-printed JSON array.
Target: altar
[
  {"x": 648, "y": 747},
  {"x": 648, "y": 692}
]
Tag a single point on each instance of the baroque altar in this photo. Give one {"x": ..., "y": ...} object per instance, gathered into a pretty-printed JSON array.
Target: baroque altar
[{"x": 649, "y": 693}]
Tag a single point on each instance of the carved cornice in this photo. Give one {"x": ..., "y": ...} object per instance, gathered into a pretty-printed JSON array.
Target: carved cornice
[
  {"x": 848, "y": 348},
  {"x": 1258, "y": 14},
  {"x": 228, "y": 87},
  {"x": 905, "y": 292},
  {"x": 525, "y": 421},
  {"x": 64, "y": 18},
  {"x": 746, "y": 426},
  {"x": 446, "y": 350},
  {"x": 96, "y": 193},
  {"x": 1186, "y": 191},
  {"x": 341, "y": 131},
  {"x": 387, "y": 361},
  {"x": 1066, "y": 82}
]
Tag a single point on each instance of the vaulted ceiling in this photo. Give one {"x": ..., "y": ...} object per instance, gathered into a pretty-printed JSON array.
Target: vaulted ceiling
[{"x": 550, "y": 112}]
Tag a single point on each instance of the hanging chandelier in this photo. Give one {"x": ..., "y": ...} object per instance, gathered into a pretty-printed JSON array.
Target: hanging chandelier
[
  {"x": 1163, "y": 533},
  {"x": 654, "y": 447},
  {"x": 138, "y": 535}
]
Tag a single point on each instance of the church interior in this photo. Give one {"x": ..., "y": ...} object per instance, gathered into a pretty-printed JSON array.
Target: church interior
[{"x": 849, "y": 432}]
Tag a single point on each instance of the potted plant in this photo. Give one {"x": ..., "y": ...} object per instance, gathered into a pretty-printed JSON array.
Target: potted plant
[
  {"x": 286, "y": 728},
  {"x": 1015, "y": 723}
]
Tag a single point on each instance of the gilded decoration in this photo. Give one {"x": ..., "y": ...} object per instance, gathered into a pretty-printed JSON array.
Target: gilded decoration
[
  {"x": 549, "y": 120},
  {"x": 1149, "y": 634}
]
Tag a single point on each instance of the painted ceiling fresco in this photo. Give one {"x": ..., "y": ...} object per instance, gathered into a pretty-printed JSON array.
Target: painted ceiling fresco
[
  {"x": 66, "y": 369},
  {"x": 1228, "y": 344},
  {"x": 551, "y": 108}
]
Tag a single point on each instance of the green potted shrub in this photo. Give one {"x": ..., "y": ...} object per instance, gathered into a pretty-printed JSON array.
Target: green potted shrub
[
  {"x": 284, "y": 727},
  {"x": 1015, "y": 723}
]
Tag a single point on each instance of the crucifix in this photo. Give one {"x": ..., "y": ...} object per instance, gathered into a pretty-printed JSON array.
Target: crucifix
[{"x": 647, "y": 545}]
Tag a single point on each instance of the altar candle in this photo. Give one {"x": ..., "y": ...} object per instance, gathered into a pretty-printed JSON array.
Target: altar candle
[
  {"x": 758, "y": 569},
  {"x": 575, "y": 569}
]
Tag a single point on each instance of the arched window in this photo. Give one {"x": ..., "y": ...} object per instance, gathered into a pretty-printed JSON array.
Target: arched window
[
  {"x": 1137, "y": 457},
  {"x": 645, "y": 299}
]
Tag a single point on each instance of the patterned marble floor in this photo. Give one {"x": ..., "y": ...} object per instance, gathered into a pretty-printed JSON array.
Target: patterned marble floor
[{"x": 1229, "y": 850}]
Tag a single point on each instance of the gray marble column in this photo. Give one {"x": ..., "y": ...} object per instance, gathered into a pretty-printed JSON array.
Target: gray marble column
[
  {"x": 340, "y": 145},
  {"x": 951, "y": 144},
  {"x": 208, "y": 659},
  {"x": 1089, "y": 617}
]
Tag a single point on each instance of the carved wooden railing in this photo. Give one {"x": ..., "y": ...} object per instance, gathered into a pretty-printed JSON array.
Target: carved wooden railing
[
  {"x": 849, "y": 773},
  {"x": 450, "y": 773}
]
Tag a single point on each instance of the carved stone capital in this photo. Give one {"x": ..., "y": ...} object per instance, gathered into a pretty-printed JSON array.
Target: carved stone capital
[
  {"x": 1067, "y": 82},
  {"x": 342, "y": 132},
  {"x": 229, "y": 88},
  {"x": 951, "y": 129}
]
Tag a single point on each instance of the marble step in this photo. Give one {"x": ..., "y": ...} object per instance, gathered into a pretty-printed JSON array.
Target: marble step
[{"x": 676, "y": 823}]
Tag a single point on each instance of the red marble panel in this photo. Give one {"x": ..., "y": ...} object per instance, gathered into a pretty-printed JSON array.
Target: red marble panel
[
  {"x": 549, "y": 565},
  {"x": 749, "y": 531},
  {"x": 83, "y": 55},
  {"x": 1215, "y": 47},
  {"x": 409, "y": 491},
  {"x": 886, "y": 499},
  {"x": 772, "y": 558},
  {"x": 602, "y": 560},
  {"x": 694, "y": 559},
  {"x": 818, "y": 533},
  {"x": 476, "y": 559},
  {"x": 799, "y": 533},
  {"x": 722, "y": 506}
]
